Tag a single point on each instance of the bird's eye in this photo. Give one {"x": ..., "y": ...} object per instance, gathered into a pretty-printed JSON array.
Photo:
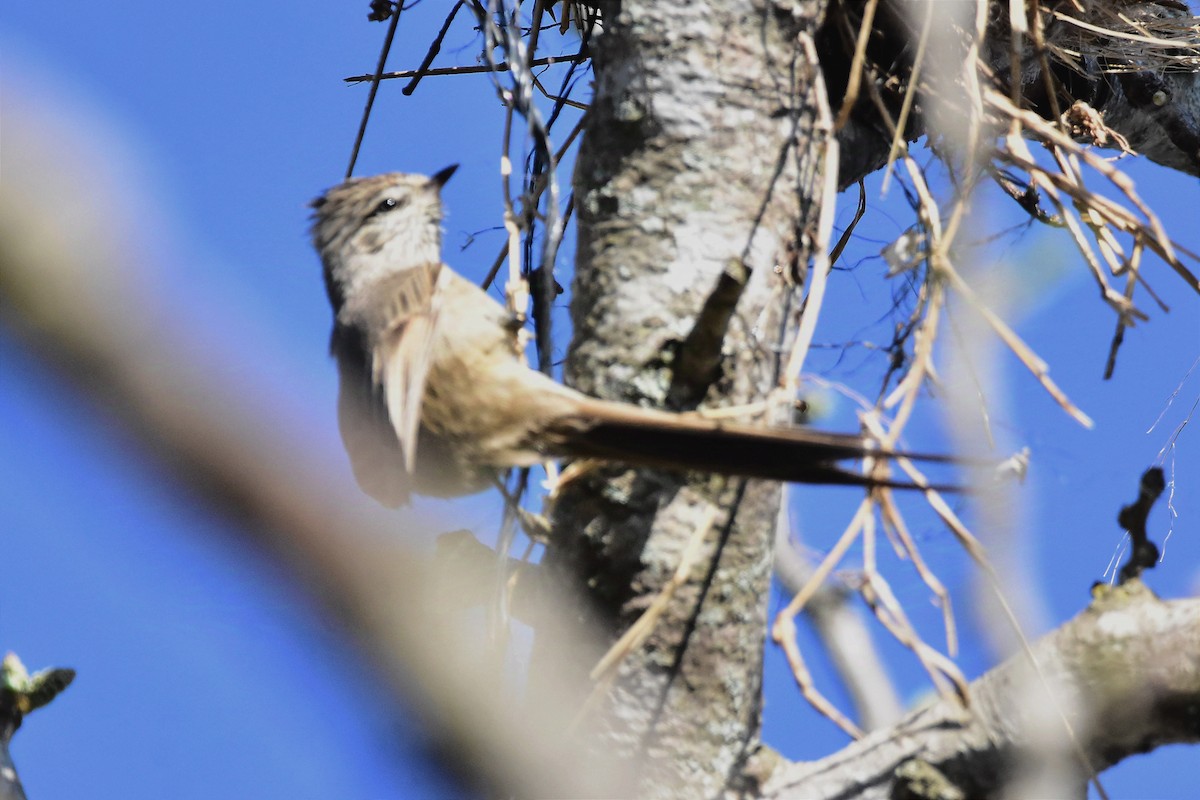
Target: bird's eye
[{"x": 388, "y": 204}]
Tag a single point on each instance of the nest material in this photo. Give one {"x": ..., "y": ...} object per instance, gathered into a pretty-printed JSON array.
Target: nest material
[{"x": 1122, "y": 36}]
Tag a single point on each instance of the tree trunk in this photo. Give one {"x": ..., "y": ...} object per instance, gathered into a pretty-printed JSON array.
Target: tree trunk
[{"x": 700, "y": 156}]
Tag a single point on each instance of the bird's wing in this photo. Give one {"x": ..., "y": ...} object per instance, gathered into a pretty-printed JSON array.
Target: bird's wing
[
  {"x": 367, "y": 433},
  {"x": 403, "y": 355}
]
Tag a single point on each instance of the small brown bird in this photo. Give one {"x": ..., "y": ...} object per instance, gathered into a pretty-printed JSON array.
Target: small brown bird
[{"x": 435, "y": 391}]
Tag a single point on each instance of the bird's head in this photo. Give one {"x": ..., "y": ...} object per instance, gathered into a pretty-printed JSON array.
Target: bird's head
[{"x": 368, "y": 228}]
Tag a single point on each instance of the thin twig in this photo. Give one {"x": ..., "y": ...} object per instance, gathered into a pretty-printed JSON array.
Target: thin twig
[
  {"x": 434, "y": 48},
  {"x": 375, "y": 79},
  {"x": 856, "y": 64},
  {"x": 468, "y": 69}
]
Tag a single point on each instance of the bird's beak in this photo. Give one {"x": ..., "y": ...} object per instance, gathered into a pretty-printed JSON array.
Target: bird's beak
[{"x": 439, "y": 179}]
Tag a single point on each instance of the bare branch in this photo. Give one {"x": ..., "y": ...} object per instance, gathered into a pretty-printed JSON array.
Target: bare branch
[{"x": 1129, "y": 660}]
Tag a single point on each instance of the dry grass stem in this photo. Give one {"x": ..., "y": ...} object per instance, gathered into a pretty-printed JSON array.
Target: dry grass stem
[
  {"x": 784, "y": 634},
  {"x": 821, "y": 266},
  {"x": 856, "y": 64}
]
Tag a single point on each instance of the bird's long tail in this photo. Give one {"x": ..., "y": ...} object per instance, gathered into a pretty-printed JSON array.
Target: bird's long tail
[{"x": 642, "y": 437}]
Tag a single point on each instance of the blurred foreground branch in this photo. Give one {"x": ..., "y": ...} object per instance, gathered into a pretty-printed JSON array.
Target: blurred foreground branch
[{"x": 79, "y": 287}]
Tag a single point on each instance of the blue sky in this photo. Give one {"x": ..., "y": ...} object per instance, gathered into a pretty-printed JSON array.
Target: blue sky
[{"x": 193, "y": 648}]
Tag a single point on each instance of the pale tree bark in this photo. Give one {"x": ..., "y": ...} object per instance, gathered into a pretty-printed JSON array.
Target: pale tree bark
[{"x": 699, "y": 153}]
